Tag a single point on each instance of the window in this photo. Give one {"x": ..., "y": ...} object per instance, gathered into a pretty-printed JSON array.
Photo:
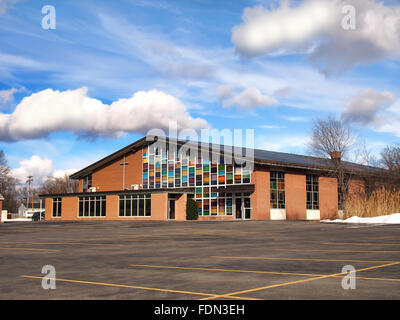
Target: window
[
  {"x": 312, "y": 192},
  {"x": 94, "y": 206},
  {"x": 136, "y": 205},
  {"x": 56, "y": 207},
  {"x": 87, "y": 182},
  {"x": 171, "y": 168},
  {"x": 277, "y": 188}
]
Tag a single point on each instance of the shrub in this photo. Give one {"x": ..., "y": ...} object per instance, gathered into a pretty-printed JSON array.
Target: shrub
[
  {"x": 380, "y": 202},
  {"x": 191, "y": 210}
]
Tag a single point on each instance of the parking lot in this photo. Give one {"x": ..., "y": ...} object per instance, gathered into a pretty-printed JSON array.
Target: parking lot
[{"x": 198, "y": 260}]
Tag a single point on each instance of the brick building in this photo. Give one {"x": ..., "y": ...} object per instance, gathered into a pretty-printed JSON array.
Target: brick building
[{"x": 152, "y": 178}]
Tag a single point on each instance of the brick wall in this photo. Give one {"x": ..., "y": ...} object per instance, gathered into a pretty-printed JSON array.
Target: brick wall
[
  {"x": 159, "y": 206},
  {"x": 260, "y": 201},
  {"x": 296, "y": 198},
  {"x": 110, "y": 177},
  {"x": 180, "y": 207},
  {"x": 328, "y": 197}
]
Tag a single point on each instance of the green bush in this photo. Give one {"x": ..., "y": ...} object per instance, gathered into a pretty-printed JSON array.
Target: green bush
[{"x": 191, "y": 210}]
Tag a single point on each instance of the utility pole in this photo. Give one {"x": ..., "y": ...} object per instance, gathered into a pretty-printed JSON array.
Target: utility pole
[
  {"x": 123, "y": 164},
  {"x": 29, "y": 181}
]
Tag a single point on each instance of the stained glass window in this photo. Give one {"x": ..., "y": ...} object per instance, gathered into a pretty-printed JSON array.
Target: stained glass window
[
  {"x": 164, "y": 168},
  {"x": 277, "y": 190}
]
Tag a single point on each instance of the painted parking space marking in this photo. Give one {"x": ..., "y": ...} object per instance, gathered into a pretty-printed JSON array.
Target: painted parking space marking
[
  {"x": 264, "y": 272},
  {"x": 135, "y": 287},
  {"x": 236, "y": 293}
]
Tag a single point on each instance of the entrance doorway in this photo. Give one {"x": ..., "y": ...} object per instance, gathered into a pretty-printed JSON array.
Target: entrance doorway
[
  {"x": 238, "y": 208},
  {"x": 171, "y": 209},
  {"x": 242, "y": 206}
]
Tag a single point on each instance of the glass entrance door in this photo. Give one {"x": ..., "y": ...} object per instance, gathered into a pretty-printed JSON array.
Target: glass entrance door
[
  {"x": 247, "y": 208},
  {"x": 242, "y": 207}
]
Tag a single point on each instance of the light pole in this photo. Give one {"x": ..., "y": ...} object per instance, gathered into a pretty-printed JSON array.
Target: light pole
[{"x": 29, "y": 181}]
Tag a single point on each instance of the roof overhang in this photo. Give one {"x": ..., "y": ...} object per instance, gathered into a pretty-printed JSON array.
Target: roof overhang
[{"x": 219, "y": 149}]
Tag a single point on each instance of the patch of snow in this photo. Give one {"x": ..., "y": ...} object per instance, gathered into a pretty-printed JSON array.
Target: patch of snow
[
  {"x": 17, "y": 220},
  {"x": 389, "y": 219}
]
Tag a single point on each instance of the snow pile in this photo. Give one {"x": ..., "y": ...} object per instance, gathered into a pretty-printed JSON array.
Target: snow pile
[
  {"x": 389, "y": 219},
  {"x": 17, "y": 220}
]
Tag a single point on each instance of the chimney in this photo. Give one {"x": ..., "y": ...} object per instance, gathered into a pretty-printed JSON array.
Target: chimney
[{"x": 336, "y": 155}]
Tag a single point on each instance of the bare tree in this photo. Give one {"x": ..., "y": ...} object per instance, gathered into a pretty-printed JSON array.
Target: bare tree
[
  {"x": 391, "y": 158},
  {"x": 333, "y": 139},
  {"x": 4, "y": 169},
  {"x": 331, "y": 135},
  {"x": 22, "y": 195},
  {"x": 8, "y": 186},
  {"x": 60, "y": 185},
  {"x": 363, "y": 155}
]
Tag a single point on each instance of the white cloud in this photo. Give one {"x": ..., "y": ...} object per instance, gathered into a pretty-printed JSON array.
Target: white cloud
[
  {"x": 295, "y": 119},
  {"x": 367, "y": 107},
  {"x": 266, "y": 30},
  {"x": 250, "y": 98},
  {"x": 268, "y": 126},
  {"x": 48, "y": 111},
  {"x": 7, "y": 96},
  {"x": 62, "y": 173},
  {"x": 39, "y": 168},
  {"x": 315, "y": 27},
  {"x": 5, "y": 4},
  {"x": 35, "y": 166}
]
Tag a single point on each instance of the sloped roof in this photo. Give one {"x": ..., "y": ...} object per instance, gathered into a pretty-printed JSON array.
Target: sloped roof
[{"x": 260, "y": 156}]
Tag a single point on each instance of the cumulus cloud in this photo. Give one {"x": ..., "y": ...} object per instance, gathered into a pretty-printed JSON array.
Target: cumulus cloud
[
  {"x": 249, "y": 98},
  {"x": 49, "y": 111},
  {"x": 62, "y": 173},
  {"x": 39, "y": 168},
  {"x": 367, "y": 107},
  {"x": 315, "y": 27}
]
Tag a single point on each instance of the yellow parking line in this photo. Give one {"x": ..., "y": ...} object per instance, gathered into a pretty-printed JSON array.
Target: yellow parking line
[
  {"x": 134, "y": 287},
  {"x": 225, "y": 270},
  {"x": 298, "y": 281},
  {"x": 302, "y": 259},
  {"x": 30, "y": 249},
  {"x": 264, "y": 272}
]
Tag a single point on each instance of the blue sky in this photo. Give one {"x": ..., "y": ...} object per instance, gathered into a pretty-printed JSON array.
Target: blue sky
[{"x": 224, "y": 64}]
